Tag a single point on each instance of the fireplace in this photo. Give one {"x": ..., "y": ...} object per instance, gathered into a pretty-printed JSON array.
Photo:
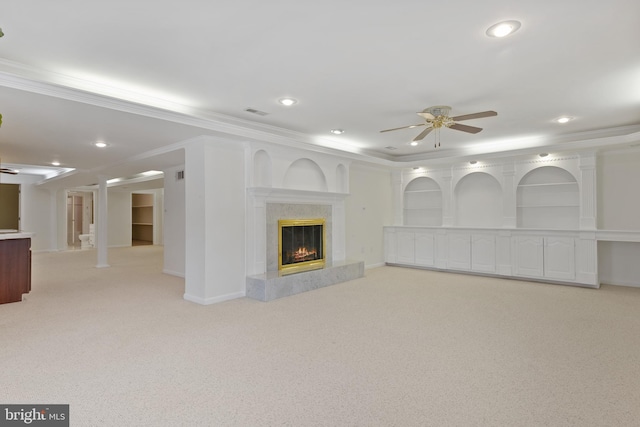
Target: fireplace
[{"x": 301, "y": 244}]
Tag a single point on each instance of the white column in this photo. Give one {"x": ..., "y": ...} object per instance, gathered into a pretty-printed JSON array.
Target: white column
[
  {"x": 588, "y": 209},
  {"x": 448, "y": 203},
  {"x": 509, "y": 213},
  {"x": 215, "y": 256},
  {"x": 338, "y": 217},
  {"x": 101, "y": 236},
  {"x": 398, "y": 197},
  {"x": 256, "y": 234}
]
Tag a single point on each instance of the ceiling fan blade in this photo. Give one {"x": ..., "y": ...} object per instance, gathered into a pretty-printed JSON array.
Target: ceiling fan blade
[
  {"x": 427, "y": 116},
  {"x": 423, "y": 134},
  {"x": 474, "y": 116},
  {"x": 403, "y": 127},
  {"x": 465, "y": 128}
]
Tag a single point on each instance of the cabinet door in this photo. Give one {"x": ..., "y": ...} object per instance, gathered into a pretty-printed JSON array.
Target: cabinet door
[
  {"x": 559, "y": 258},
  {"x": 483, "y": 253},
  {"x": 424, "y": 249},
  {"x": 459, "y": 251},
  {"x": 406, "y": 249},
  {"x": 390, "y": 246},
  {"x": 529, "y": 256}
]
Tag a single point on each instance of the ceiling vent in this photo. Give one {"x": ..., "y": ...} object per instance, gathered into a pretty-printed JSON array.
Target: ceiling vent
[{"x": 254, "y": 111}]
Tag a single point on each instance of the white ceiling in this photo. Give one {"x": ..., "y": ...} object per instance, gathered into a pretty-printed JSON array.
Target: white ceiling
[{"x": 143, "y": 76}]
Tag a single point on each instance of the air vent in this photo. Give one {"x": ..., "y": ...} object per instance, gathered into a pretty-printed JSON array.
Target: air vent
[
  {"x": 179, "y": 175},
  {"x": 254, "y": 111},
  {"x": 390, "y": 148}
]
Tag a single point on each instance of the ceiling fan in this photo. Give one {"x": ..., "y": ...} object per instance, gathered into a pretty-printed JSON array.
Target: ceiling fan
[
  {"x": 437, "y": 117},
  {"x": 9, "y": 171}
]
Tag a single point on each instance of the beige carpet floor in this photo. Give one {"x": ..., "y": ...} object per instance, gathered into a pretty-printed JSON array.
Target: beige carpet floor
[{"x": 399, "y": 347}]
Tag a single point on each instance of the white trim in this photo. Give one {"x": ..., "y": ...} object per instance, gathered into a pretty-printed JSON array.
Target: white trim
[
  {"x": 376, "y": 265},
  {"x": 618, "y": 236},
  {"x": 620, "y": 283},
  {"x": 173, "y": 273},
  {"x": 213, "y": 300}
]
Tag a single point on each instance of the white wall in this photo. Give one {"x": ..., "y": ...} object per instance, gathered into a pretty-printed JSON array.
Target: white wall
[
  {"x": 119, "y": 214},
  {"x": 215, "y": 221},
  {"x": 36, "y": 210},
  {"x": 368, "y": 208},
  {"x": 619, "y": 209},
  {"x": 619, "y": 190},
  {"x": 174, "y": 222}
]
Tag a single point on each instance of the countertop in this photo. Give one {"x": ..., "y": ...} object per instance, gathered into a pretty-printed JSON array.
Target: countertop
[{"x": 14, "y": 234}]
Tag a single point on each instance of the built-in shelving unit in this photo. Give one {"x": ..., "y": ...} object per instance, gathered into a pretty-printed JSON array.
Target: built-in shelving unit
[
  {"x": 142, "y": 218},
  {"x": 548, "y": 197},
  {"x": 423, "y": 203}
]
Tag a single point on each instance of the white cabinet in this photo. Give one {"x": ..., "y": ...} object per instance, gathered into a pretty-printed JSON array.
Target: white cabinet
[
  {"x": 483, "y": 253},
  {"x": 415, "y": 248},
  {"x": 459, "y": 251},
  {"x": 545, "y": 257},
  {"x": 528, "y": 256},
  {"x": 559, "y": 258},
  {"x": 425, "y": 249},
  {"x": 406, "y": 247}
]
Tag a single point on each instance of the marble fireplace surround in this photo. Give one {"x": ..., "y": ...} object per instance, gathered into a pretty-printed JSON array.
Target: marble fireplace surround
[{"x": 265, "y": 206}]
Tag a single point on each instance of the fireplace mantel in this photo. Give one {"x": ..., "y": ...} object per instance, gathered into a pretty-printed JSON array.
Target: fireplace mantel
[{"x": 284, "y": 195}]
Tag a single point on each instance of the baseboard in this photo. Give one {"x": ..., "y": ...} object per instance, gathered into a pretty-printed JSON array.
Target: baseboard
[
  {"x": 626, "y": 283},
  {"x": 381, "y": 264},
  {"x": 173, "y": 273},
  {"x": 213, "y": 300}
]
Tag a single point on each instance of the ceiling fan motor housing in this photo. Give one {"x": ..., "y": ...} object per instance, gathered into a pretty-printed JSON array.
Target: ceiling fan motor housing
[{"x": 438, "y": 110}]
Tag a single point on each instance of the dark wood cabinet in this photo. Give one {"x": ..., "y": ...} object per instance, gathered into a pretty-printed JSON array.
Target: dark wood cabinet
[{"x": 15, "y": 269}]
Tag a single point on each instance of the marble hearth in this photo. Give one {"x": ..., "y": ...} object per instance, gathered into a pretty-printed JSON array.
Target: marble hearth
[{"x": 273, "y": 285}]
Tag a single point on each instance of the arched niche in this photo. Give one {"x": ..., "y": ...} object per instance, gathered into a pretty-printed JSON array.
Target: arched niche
[
  {"x": 262, "y": 169},
  {"x": 478, "y": 201},
  {"x": 305, "y": 174},
  {"x": 548, "y": 197},
  {"x": 342, "y": 184},
  {"x": 423, "y": 202}
]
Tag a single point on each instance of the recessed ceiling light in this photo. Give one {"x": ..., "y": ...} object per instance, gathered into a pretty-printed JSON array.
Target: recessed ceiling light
[
  {"x": 337, "y": 131},
  {"x": 287, "y": 101},
  {"x": 413, "y": 143},
  {"x": 504, "y": 28},
  {"x": 563, "y": 119},
  {"x": 543, "y": 154},
  {"x": 100, "y": 144},
  {"x": 473, "y": 162},
  {"x": 55, "y": 163}
]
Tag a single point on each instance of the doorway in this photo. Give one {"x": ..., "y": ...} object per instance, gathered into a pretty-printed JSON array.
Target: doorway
[
  {"x": 79, "y": 217},
  {"x": 9, "y": 206}
]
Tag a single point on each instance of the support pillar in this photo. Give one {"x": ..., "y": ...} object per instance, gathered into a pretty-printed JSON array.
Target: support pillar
[{"x": 101, "y": 223}]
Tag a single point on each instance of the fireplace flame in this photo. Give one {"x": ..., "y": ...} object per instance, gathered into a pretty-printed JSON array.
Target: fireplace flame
[{"x": 303, "y": 254}]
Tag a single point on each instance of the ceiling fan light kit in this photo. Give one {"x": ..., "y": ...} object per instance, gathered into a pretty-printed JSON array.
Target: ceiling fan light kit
[{"x": 437, "y": 117}]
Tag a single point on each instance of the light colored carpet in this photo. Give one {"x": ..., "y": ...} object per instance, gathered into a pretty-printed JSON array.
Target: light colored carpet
[{"x": 399, "y": 347}]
